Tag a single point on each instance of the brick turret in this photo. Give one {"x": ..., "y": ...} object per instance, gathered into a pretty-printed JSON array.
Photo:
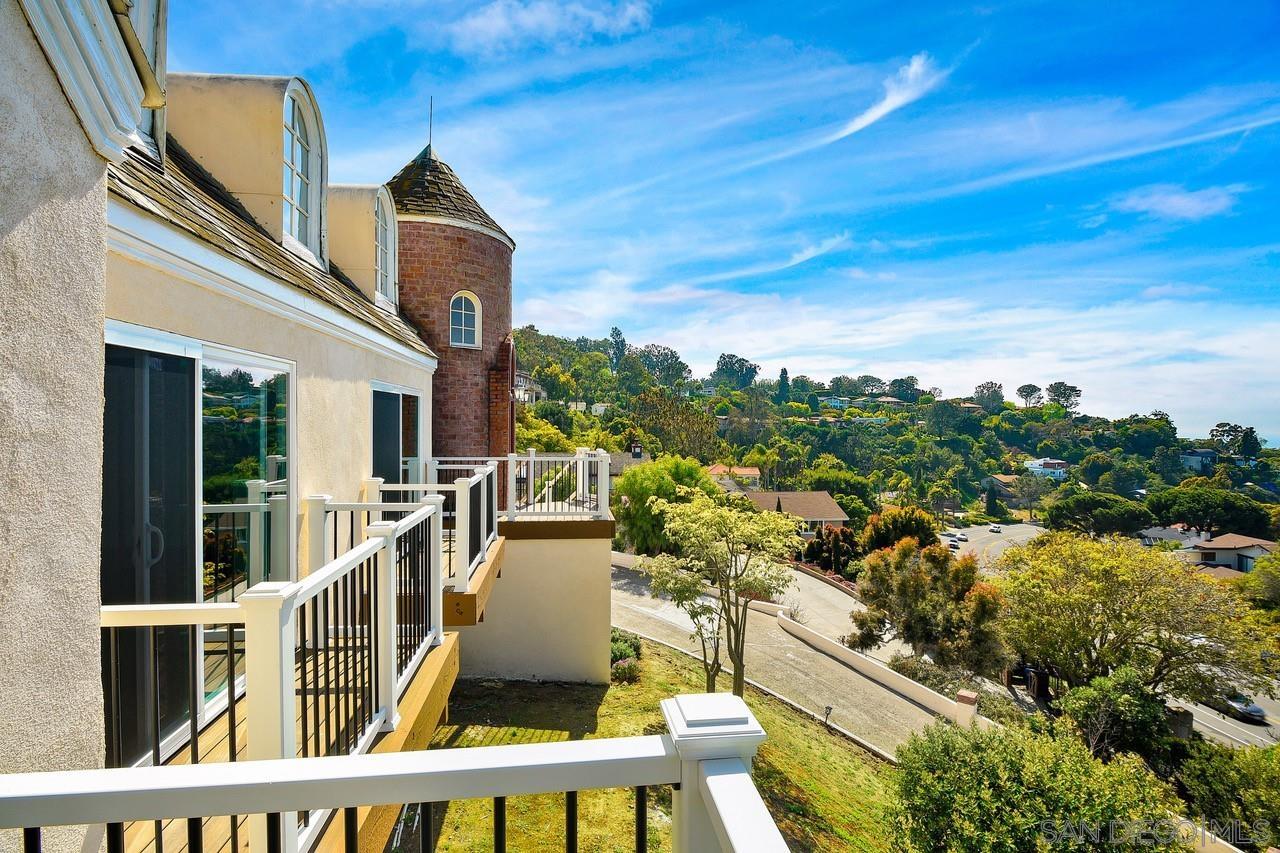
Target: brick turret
[{"x": 450, "y": 245}]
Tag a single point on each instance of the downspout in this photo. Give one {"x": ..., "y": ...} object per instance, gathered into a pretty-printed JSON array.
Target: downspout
[{"x": 152, "y": 94}]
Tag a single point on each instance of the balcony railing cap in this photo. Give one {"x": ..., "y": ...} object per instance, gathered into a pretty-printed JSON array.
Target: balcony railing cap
[{"x": 712, "y": 725}]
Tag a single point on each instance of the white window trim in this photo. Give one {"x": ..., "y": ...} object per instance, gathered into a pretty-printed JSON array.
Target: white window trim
[
  {"x": 475, "y": 300},
  {"x": 384, "y": 300},
  {"x": 89, "y": 57},
  {"x": 314, "y": 249},
  {"x": 120, "y": 333}
]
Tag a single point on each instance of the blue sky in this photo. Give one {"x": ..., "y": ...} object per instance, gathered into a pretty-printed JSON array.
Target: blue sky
[{"x": 1019, "y": 191}]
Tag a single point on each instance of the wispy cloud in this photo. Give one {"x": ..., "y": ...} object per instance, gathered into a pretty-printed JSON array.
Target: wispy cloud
[
  {"x": 1174, "y": 291},
  {"x": 1172, "y": 201},
  {"x": 503, "y": 25}
]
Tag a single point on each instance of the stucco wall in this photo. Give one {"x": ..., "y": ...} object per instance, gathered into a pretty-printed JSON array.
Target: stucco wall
[
  {"x": 52, "y": 258},
  {"x": 548, "y": 616},
  {"x": 334, "y": 399}
]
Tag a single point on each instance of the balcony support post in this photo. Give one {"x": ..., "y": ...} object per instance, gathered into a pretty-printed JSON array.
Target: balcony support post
[
  {"x": 257, "y": 540},
  {"x": 386, "y": 606},
  {"x": 511, "y": 486},
  {"x": 603, "y": 461},
  {"x": 371, "y": 492},
  {"x": 436, "y": 553},
  {"x": 462, "y": 530},
  {"x": 318, "y": 529}
]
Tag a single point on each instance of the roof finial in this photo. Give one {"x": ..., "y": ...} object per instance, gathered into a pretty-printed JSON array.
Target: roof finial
[{"x": 431, "y": 118}]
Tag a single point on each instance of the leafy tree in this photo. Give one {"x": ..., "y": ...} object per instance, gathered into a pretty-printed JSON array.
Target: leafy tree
[
  {"x": 783, "y": 393},
  {"x": 833, "y": 549},
  {"x": 1226, "y": 436},
  {"x": 867, "y": 385},
  {"x": 632, "y": 377},
  {"x": 538, "y": 434},
  {"x": 1262, "y": 585},
  {"x": 1066, "y": 396},
  {"x": 1091, "y": 606},
  {"x": 857, "y": 510},
  {"x": 640, "y": 525},
  {"x": 812, "y": 402},
  {"x": 1117, "y": 713},
  {"x": 844, "y": 386},
  {"x": 906, "y": 389},
  {"x": 886, "y": 529},
  {"x": 801, "y": 385},
  {"x": 665, "y": 364},
  {"x": 990, "y": 396},
  {"x": 734, "y": 371},
  {"x": 554, "y": 414},
  {"x": 556, "y": 381},
  {"x": 1028, "y": 490},
  {"x": 1093, "y": 466},
  {"x": 1098, "y": 514},
  {"x": 593, "y": 377},
  {"x": 1210, "y": 509},
  {"x": 1029, "y": 394},
  {"x": 735, "y": 550},
  {"x": 617, "y": 347},
  {"x": 824, "y": 478},
  {"x": 683, "y": 428},
  {"x": 931, "y": 599},
  {"x": 1249, "y": 446},
  {"x": 1223, "y": 783},
  {"x": 1015, "y": 789}
]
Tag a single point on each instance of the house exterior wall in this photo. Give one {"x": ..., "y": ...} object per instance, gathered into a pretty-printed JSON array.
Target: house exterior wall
[
  {"x": 52, "y": 270},
  {"x": 352, "y": 225},
  {"x": 470, "y": 416},
  {"x": 548, "y": 616},
  {"x": 333, "y": 394}
]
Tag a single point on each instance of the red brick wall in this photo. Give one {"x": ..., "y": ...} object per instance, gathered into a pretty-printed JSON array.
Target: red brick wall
[{"x": 472, "y": 387}]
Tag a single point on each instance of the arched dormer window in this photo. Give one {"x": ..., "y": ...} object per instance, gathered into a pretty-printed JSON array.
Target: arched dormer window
[
  {"x": 464, "y": 320},
  {"x": 304, "y": 171},
  {"x": 384, "y": 234}
]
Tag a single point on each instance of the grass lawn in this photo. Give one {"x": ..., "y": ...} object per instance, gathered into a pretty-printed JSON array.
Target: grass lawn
[{"x": 824, "y": 792}]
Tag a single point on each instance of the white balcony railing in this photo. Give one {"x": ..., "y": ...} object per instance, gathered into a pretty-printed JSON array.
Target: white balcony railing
[
  {"x": 322, "y": 662},
  {"x": 705, "y": 755},
  {"x": 540, "y": 485}
]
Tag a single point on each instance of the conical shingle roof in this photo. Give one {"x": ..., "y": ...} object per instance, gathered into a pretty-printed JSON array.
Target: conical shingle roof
[{"x": 426, "y": 186}]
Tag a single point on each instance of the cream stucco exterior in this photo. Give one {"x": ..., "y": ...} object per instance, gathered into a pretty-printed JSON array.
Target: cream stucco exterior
[
  {"x": 52, "y": 271},
  {"x": 548, "y": 616},
  {"x": 351, "y": 235},
  {"x": 333, "y": 420},
  {"x": 233, "y": 125}
]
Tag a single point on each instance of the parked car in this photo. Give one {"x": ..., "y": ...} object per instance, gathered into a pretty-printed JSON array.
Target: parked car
[
  {"x": 962, "y": 537},
  {"x": 953, "y": 545},
  {"x": 995, "y": 528},
  {"x": 1239, "y": 706}
]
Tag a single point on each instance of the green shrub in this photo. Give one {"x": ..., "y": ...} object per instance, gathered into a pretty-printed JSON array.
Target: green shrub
[
  {"x": 625, "y": 671},
  {"x": 623, "y": 644},
  {"x": 949, "y": 680},
  {"x": 1220, "y": 783}
]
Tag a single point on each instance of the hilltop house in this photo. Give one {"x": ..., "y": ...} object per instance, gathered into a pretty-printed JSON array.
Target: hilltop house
[
  {"x": 1054, "y": 469},
  {"x": 1003, "y": 484},
  {"x": 1230, "y": 550},
  {"x": 748, "y": 475},
  {"x": 230, "y": 531},
  {"x": 815, "y": 509},
  {"x": 1199, "y": 460}
]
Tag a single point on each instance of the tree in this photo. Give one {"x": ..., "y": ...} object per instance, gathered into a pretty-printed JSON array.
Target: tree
[
  {"x": 906, "y": 389},
  {"x": 812, "y": 402},
  {"x": 783, "y": 393},
  {"x": 1091, "y": 606},
  {"x": 1226, "y": 436},
  {"x": 1223, "y": 783},
  {"x": 631, "y": 376},
  {"x": 1066, "y": 396},
  {"x": 886, "y": 529},
  {"x": 1014, "y": 789},
  {"x": 617, "y": 347},
  {"x": 736, "y": 550},
  {"x": 1249, "y": 446},
  {"x": 931, "y": 599},
  {"x": 1098, "y": 514},
  {"x": 640, "y": 525},
  {"x": 1029, "y": 394},
  {"x": 867, "y": 385},
  {"x": 592, "y": 375},
  {"x": 1093, "y": 466},
  {"x": 734, "y": 370},
  {"x": 1117, "y": 713},
  {"x": 990, "y": 396},
  {"x": 1262, "y": 585},
  {"x": 556, "y": 381},
  {"x": 682, "y": 427},
  {"x": 668, "y": 369},
  {"x": 1210, "y": 509},
  {"x": 833, "y": 549},
  {"x": 844, "y": 386}
]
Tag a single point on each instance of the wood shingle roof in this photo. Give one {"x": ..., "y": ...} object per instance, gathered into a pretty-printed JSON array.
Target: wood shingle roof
[{"x": 426, "y": 186}]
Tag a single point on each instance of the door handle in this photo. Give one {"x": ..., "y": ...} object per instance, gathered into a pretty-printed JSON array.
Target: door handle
[{"x": 156, "y": 540}]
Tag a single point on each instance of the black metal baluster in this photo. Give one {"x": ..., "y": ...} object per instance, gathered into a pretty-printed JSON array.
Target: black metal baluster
[
  {"x": 373, "y": 633},
  {"x": 302, "y": 681},
  {"x": 642, "y": 819},
  {"x": 231, "y": 721},
  {"x": 499, "y": 825},
  {"x": 328, "y": 672},
  {"x": 347, "y": 664},
  {"x": 31, "y": 839},
  {"x": 195, "y": 835},
  {"x": 351, "y": 829},
  {"x": 194, "y": 724},
  {"x": 113, "y": 651},
  {"x": 571, "y": 821},
  {"x": 274, "y": 826},
  {"x": 315, "y": 674},
  {"x": 155, "y": 721},
  {"x": 115, "y": 838}
]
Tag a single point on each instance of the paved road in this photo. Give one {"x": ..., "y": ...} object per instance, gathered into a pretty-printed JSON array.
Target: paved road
[
  {"x": 783, "y": 664},
  {"x": 987, "y": 545},
  {"x": 1233, "y": 732}
]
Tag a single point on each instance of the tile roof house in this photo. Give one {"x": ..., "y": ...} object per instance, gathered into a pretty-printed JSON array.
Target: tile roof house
[
  {"x": 1231, "y": 550},
  {"x": 749, "y": 474},
  {"x": 816, "y": 509}
]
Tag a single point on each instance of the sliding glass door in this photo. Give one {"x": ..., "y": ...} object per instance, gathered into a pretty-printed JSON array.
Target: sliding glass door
[{"x": 396, "y": 441}]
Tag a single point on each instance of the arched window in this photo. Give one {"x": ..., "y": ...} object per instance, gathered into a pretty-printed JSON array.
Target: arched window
[
  {"x": 302, "y": 174},
  {"x": 464, "y": 320},
  {"x": 385, "y": 241}
]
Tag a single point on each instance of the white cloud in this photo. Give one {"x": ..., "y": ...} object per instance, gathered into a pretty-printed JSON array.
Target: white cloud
[
  {"x": 1171, "y": 201},
  {"x": 508, "y": 24},
  {"x": 1172, "y": 291}
]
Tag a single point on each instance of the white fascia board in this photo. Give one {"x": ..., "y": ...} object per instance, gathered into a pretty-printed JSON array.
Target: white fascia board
[
  {"x": 139, "y": 237},
  {"x": 84, "y": 47}
]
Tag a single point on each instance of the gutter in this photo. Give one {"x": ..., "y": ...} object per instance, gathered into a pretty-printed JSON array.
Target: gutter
[{"x": 152, "y": 93}]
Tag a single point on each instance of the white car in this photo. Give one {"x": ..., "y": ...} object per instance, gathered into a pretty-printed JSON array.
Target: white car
[
  {"x": 995, "y": 528},
  {"x": 963, "y": 537}
]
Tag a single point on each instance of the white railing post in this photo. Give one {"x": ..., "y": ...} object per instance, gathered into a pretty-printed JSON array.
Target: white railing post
[
  {"x": 269, "y": 694},
  {"x": 529, "y": 481},
  {"x": 386, "y": 608},
  {"x": 707, "y": 727},
  {"x": 511, "y": 487},
  {"x": 279, "y": 512},
  {"x": 603, "y": 460},
  {"x": 257, "y": 542},
  {"x": 462, "y": 530},
  {"x": 371, "y": 492},
  {"x": 436, "y": 553},
  {"x": 318, "y": 525},
  {"x": 483, "y": 474},
  {"x": 433, "y": 471}
]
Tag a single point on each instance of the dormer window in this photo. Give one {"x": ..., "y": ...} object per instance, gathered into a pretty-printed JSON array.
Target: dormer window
[
  {"x": 303, "y": 172},
  {"x": 385, "y": 246},
  {"x": 464, "y": 320}
]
